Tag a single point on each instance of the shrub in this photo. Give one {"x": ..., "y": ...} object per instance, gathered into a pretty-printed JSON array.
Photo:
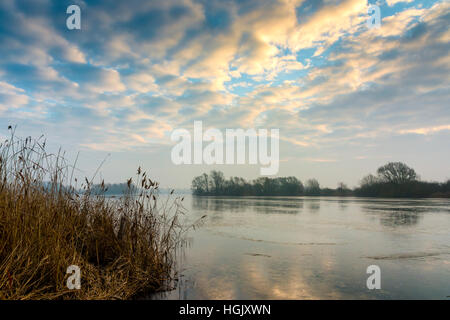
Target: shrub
[{"x": 125, "y": 247}]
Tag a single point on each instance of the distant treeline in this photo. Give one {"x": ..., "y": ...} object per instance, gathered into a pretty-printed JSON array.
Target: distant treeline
[
  {"x": 394, "y": 179},
  {"x": 114, "y": 189},
  {"x": 111, "y": 189}
]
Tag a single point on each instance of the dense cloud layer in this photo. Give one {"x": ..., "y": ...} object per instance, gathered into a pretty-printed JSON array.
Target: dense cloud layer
[{"x": 139, "y": 69}]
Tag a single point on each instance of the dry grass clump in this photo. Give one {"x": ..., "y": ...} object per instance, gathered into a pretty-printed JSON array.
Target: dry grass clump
[{"x": 125, "y": 248}]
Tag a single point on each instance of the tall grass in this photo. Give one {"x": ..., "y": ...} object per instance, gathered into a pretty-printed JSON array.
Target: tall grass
[{"x": 125, "y": 248}]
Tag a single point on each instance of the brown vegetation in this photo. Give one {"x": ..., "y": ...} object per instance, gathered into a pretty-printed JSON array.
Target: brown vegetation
[{"x": 125, "y": 248}]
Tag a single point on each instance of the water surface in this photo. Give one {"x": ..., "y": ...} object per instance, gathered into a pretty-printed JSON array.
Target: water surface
[{"x": 315, "y": 248}]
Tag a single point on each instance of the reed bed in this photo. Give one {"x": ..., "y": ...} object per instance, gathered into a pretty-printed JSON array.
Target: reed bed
[{"x": 125, "y": 248}]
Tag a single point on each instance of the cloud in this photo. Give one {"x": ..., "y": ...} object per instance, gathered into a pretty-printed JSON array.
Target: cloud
[
  {"x": 92, "y": 78},
  {"x": 11, "y": 96},
  {"x": 138, "y": 69},
  {"x": 141, "y": 82},
  {"x": 394, "y": 2},
  {"x": 426, "y": 131}
]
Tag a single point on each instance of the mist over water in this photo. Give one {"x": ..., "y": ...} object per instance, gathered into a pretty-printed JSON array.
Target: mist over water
[{"x": 315, "y": 248}]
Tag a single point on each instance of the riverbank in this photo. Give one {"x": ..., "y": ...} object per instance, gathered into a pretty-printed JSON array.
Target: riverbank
[
  {"x": 123, "y": 249},
  {"x": 394, "y": 180},
  {"x": 438, "y": 195}
]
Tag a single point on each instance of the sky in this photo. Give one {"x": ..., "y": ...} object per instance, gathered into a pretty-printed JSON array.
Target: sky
[{"x": 346, "y": 98}]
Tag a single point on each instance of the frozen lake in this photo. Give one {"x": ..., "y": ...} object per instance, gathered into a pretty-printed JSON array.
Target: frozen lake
[{"x": 315, "y": 248}]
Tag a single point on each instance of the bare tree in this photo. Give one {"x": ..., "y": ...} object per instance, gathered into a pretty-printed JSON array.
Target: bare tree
[
  {"x": 217, "y": 181},
  {"x": 397, "y": 172},
  {"x": 342, "y": 186},
  {"x": 312, "y": 187}
]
